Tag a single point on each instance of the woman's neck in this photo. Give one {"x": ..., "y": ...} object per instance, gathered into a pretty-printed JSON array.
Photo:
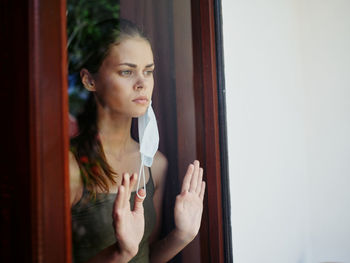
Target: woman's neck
[{"x": 114, "y": 132}]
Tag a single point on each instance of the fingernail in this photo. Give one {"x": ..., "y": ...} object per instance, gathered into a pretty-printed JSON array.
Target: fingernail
[{"x": 141, "y": 193}]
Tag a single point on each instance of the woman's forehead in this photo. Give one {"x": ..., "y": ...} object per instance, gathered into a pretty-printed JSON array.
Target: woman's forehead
[{"x": 135, "y": 51}]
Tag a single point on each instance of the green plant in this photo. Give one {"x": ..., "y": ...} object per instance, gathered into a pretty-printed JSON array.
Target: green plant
[{"x": 82, "y": 35}]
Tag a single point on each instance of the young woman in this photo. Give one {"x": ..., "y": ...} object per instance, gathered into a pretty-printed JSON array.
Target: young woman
[{"x": 111, "y": 223}]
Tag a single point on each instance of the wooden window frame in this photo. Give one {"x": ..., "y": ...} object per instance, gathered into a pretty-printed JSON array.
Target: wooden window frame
[
  {"x": 48, "y": 107},
  {"x": 211, "y": 128},
  {"x": 49, "y": 230}
]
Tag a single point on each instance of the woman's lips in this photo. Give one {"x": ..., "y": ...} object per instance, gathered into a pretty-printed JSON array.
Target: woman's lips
[{"x": 141, "y": 100}]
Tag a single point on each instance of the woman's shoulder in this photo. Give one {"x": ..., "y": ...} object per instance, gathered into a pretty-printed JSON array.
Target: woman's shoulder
[
  {"x": 159, "y": 168},
  {"x": 75, "y": 180},
  {"x": 74, "y": 170}
]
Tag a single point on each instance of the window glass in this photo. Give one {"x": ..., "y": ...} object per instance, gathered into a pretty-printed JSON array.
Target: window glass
[{"x": 167, "y": 25}]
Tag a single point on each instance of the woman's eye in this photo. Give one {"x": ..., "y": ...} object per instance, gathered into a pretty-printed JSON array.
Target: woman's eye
[
  {"x": 125, "y": 73},
  {"x": 148, "y": 72}
]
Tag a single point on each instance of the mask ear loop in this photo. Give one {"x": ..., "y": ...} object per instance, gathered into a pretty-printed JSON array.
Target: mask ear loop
[{"x": 141, "y": 174}]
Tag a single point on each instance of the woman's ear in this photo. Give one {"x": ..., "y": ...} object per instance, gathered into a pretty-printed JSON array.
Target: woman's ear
[{"x": 87, "y": 80}]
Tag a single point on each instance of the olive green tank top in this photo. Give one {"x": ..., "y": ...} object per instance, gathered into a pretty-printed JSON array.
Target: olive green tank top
[{"x": 92, "y": 228}]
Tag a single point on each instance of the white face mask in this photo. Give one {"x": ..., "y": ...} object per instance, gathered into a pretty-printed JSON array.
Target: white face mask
[{"x": 149, "y": 141}]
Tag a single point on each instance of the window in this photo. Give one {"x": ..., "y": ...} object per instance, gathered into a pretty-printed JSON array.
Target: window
[{"x": 46, "y": 192}]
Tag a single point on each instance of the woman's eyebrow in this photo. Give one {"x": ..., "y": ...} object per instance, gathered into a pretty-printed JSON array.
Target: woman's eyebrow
[
  {"x": 127, "y": 64},
  {"x": 134, "y": 66}
]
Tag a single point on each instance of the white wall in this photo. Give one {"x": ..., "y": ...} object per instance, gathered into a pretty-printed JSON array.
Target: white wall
[{"x": 287, "y": 65}]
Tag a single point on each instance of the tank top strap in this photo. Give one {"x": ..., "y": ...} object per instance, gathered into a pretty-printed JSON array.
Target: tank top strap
[{"x": 150, "y": 183}]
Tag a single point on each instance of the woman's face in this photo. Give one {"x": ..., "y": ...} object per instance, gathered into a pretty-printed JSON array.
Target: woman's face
[{"x": 124, "y": 82}]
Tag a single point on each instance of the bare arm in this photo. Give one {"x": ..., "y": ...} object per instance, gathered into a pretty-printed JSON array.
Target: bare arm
[
  {"x": 187, "y": 212},
  {"x": 128, "y": 224}
]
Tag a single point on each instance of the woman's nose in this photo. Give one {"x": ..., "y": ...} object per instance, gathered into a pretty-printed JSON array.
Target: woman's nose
[{"x": 140, "y": 82}]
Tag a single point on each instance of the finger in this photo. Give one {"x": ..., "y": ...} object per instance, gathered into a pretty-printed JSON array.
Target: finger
[
  {"x": 118, "y": 203},
  {"x": 199, "y": 182},
  {"x": 201, "y": 195},
  {"x": 187, "y": 179},
  {"x": 126, "y": 184},
  {"x": 194, "y": 179},
  {"x": 138, "y": 207},
  {"x": 133, "y": 181}
]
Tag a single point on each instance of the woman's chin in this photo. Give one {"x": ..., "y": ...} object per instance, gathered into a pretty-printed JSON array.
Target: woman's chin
[{"x": 139, "y": 113}]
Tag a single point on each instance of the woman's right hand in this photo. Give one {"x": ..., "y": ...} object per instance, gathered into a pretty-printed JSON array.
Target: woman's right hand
[{"x": 129, "y": 224}]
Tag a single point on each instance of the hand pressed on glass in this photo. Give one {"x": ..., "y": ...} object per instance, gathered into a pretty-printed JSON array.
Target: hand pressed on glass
[
  {"x": 189, "y": 203},
  {"x": 128, "y": 224}
]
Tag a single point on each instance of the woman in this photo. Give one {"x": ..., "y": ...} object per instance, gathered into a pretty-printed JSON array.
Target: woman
[{"x": 105, "y": 160}]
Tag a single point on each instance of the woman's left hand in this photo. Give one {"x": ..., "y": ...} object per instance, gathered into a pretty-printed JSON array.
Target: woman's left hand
[{"x": 189, "y": 204}]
